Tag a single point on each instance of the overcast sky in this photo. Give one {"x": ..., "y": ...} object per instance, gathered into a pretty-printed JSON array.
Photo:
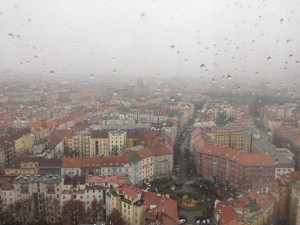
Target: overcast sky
[{"x": 234, "y": 39}]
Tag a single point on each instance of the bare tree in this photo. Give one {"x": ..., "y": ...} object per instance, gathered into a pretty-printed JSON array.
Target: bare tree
[
  {"x": 115, "y": 218},
  {"x": 96, "y": 211},
  {"x": 73, "y": 212}
]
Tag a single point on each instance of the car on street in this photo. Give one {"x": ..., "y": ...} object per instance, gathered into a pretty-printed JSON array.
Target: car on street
[{"x": 181, "y": 221}]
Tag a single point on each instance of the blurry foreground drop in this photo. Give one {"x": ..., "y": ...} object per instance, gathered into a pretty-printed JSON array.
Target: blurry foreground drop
[
  {"x": 172, "y": 47},
  {"x": 51, "y": 72},
  {"x": 91, "y": 76},
  {"x": 143, "y": 16}
]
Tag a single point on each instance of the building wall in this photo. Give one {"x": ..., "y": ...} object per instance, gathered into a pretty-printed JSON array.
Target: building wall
[{"x": 220, "y": 168}]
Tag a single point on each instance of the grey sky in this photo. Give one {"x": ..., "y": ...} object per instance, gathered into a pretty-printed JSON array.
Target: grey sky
[{"x": 147, "y": 38}]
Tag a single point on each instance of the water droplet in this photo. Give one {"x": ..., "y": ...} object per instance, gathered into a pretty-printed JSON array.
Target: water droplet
[
  {"x": 29, "y": 20},
  {"x": 213, "y": 80},
  {"x": 229, "y": 76},
  {"x": 297, "y": 62},
  {"x": 291, "y": 56},
  {"x": 295, "y": 84},
  {"x": 281, "y": 20},
  {"x": 85, "y": 82},
  {"x": 256, "y": 73},
  {"x": 91, "y": 76},
  {"x": 114, "y": 71},
  {"x": 186, "y": 61},
  {"x": 11, "y": 35},
  {"x": 172, "y": 47},
  {"x": 268, "y": 84},
  {"x": 278, "y": 92},
  {"x": 115, "y": 93},
  {"x": 143, "y": 16},
  {"x": 269, "y": 58},
  {"x": 51, "y": 72},
  {"x": 202, "y": 66}
]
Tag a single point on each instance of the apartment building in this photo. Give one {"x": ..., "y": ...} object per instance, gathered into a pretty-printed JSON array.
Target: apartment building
[
  {"x": 257, "y": 207},
  {"x": 99, "y": 143},
  {"x": 145, "y": 164},
  {"x": 117, "y": 141},
  {"x": 41, "y": 194},
  {"x": 230, "y": 167},
  {"x": 139, "y": 207},
  {"x": 81, "y": 143},
  {"x": 239, "y": 138}
]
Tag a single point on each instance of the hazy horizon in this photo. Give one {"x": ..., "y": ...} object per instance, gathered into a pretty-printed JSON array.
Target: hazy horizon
[{"x": 241, "y": 41}]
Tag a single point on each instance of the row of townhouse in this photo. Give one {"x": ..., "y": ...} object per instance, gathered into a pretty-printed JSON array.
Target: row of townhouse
[
  {"x": 147, "y": 116},
  {"x": 138, "y": 166},
  {"x": 43, "y": 198},
  {"x": 106, "y": 142}
]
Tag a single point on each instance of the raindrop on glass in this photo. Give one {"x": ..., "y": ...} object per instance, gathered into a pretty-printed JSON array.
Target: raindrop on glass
[
  {"x": 281, "y": 20},
  {"x": 291, "y": 56},
  {"x": 229, "y": 76},
  {"x": 114, "y": 71},
  {"x": 172, "y": 47},
  {"x": 202, "y": 66},
  {"x": 51, "y": 72},
  {"x": 91, "y": 76},
  {"x": 297, "y": 62},
  {"x": 143, "y": 16},
  {"x": 11, "y": 35},
  {"x": 269, "y": 58}
]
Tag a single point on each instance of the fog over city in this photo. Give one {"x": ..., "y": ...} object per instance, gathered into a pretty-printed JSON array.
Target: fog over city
[
  {"x": 149, "y": 112},
  {"x": 257, "y": 40}
]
